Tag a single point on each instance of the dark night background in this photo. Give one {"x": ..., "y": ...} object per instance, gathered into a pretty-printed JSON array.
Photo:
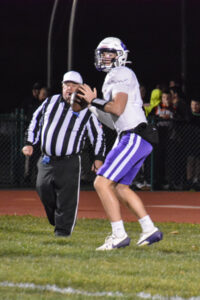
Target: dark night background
[{"x": 151, "y": 29}]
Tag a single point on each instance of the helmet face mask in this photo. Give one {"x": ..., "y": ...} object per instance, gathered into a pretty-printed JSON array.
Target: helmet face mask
[{"x": 110, "y": 46}]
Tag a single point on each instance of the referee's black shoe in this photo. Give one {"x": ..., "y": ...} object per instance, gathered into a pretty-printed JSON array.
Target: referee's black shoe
[{"x": 61, "y": 234}]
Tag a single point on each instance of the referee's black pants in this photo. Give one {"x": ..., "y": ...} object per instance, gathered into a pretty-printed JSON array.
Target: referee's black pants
[{"x": 58, "y": 185}]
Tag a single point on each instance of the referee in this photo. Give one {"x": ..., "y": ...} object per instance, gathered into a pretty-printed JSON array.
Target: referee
[{"x": 62, "y": 134}]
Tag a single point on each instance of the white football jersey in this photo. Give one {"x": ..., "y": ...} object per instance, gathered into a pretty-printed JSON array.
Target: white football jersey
[{"x": 123, "y": 79}]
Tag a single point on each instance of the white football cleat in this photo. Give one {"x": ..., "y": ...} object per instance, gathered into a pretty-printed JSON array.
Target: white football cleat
[
  {"x": 112, "y": 242},
  {"x": 148, "y": 238}
]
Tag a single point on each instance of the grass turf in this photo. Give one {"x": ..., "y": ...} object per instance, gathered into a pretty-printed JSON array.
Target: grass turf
[{"x": 31, "y": 254}]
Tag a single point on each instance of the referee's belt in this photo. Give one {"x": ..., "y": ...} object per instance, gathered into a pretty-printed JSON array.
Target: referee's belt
[{"x": 46, "y": 159}]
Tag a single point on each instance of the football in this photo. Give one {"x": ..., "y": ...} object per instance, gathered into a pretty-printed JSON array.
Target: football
[{"x": 77, "y": 103}]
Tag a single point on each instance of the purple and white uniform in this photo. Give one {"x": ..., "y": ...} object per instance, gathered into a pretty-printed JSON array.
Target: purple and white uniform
[{"x": 128, "y": 154}]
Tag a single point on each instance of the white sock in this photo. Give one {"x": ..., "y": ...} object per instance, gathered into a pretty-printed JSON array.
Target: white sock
[
  {"x": 118, "y": 228},
  {"x": 146, "y": 223}
]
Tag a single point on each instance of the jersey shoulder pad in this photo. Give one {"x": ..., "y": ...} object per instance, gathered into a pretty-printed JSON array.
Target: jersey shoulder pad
[{"x": 120, "y": 74}]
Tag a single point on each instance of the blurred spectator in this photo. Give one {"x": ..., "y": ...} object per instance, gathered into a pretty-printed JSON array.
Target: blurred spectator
[
  {"x": 43, "y": 94},
  {"x": 177, "y": 141},
  {"x": 173, "y": 83},
  {"x": 180, "y": 106},
  {"x": 31, "y": 103},
  {"x": 195, "y": 111},
  {"x": 35, "y": 90},
  {"x": 164, "y": 114},
  {"x": 193, "y": 151},
  {"x": 155, "y": 100},
  {"x": 165, "y": 109}
]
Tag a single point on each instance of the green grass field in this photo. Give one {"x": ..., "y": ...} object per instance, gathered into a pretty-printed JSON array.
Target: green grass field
[{"x": 30, "y": 254}]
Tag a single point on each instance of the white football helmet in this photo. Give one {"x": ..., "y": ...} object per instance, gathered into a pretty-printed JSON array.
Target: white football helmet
[{"x": 113, "y": 45}]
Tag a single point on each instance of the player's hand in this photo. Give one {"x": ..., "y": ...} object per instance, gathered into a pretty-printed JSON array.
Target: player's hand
[
  {"x": 27, "y": 150},
  {"x": 96, "y": 165},
  {"x": 87, "y": 93}
]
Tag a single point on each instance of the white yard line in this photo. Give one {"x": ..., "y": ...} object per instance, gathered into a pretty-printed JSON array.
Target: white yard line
[
  {"x": 175, "y": 206},
  {"x": 55, "y": 288},
  {"x": 159, "y": 297},
  {"x": 69, "y": 290}
]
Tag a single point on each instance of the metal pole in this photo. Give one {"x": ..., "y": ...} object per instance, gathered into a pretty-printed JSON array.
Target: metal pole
[
  {"x": 49, "y": 47},
  {"x": 183, "y": 46},
  {"x": 70, "y": 36}
]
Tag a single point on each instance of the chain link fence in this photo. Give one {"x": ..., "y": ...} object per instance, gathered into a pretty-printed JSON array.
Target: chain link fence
[{"x": 173, "y": 165}]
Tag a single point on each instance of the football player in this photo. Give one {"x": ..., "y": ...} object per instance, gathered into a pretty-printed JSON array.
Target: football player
[{"x": 121, "y": 109}]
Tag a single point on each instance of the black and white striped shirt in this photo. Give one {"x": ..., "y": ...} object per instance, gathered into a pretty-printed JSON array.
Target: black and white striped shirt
[{"x": 63, "y": 132}]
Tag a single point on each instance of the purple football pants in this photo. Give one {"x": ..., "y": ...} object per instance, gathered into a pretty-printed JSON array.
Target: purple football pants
[{"x": 125, "y": 160}]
